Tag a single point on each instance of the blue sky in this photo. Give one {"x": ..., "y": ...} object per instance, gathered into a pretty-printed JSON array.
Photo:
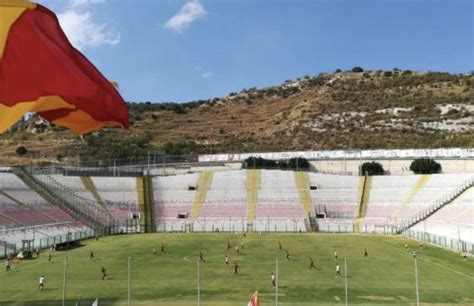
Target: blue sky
[{"x": 184, "y": 50}]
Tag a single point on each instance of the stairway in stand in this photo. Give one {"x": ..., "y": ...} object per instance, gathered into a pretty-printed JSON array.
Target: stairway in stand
[
  {"x": 141, "y": 203},
  {"x": 252, "y": 185},
  {"x": 420, "y": 184},
  {"x": 203, "y": 185},
  {"x": 303, "y": 185},
  {"x": 365, "y": 183},
  {"x": 90, "y": 186}
]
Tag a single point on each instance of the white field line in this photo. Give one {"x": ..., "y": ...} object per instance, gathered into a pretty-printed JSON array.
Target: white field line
[{"x": 430, "y": 261}]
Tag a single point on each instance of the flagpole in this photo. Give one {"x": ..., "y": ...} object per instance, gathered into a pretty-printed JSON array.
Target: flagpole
[
  {"x": 345, "y": 272},
  {"x": 64, "y": 281},
  {"x": 198, "y": 284},
  {"x": 277, "y": 281},
  {"x": 416, "y": 283},
  {"x": 128, "y": 282}
]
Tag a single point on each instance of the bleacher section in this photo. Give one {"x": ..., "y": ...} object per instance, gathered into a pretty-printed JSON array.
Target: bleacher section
[
  {"x": 174, "y": 195},
  {"x": 224, "y": 207},
  {"x": 23, "y": 213},
  {"x": 279, "y": 207},
  {"x": 454, "y": 221},
  {"x": 227, "y": 201},
  {"x": 21, "y": 206},
  {"x": 395, "y": 200},
  {"x": 336, "y": 195},
  {"x": 118, "y": 195}
]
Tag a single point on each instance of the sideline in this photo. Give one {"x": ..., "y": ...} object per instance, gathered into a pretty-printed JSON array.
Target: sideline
[{"x": 424, "y": 257}]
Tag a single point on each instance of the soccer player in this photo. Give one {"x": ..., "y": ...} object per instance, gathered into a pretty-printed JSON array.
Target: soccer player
[
  {"x": 421, "y": 245},
  {"x": 335, "y": 254},
  {"x": 49, "y": 257},
  {"x": 366, "y": 254},
  {"x": 104, "y": 272},
  {"x": 242, "y": 245},
  {"x": 338, "y": 272},
  {"x": 7, "y": 265},
  {"x": 228, "y": 245},
  {"x": 311, "y": 264},
  {"x": 279, "y": 245},
  {"x": 287, "y": 254},
  {"x": 41, "y": 282},
  {"x": 201, "y": 257},
  {"x": 237, "y": 250},
  {"x": 162, "y": 248},
  {"x": 91, "y": 255},
  {"x": 226, "y": 260},
  {"x": 406, "y": 247},
  {"x": 236, "y": 268},
  {"x": 273, "y": 280},
  {"x": 154, "y": 251},
  {"x": 414, "y": 254}
]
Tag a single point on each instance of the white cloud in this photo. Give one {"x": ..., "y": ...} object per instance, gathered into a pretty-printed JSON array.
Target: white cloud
[
  {"x": 207, "y": 75},
  {"x": 76, "y": 3},
  {"x": 190, "y": 12},
  {"x": 83, "y": 31}
]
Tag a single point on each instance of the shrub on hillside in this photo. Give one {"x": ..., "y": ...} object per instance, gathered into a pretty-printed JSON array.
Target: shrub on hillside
[
  {"x": 425, "y": 166},
  {"x": 357, "y": 69},
  {"x": 21, "y": 150},
  {"x": 372, "y": 168}
]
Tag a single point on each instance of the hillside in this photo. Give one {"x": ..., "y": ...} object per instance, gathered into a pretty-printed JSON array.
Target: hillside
[{"x": 342, "y": 110}]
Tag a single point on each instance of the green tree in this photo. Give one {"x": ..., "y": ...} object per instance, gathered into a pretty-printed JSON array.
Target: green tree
[
  {"x": 425, "y": 166},
  {"x": 372, "y": 168},
  {"x": 297, "y": 163}
]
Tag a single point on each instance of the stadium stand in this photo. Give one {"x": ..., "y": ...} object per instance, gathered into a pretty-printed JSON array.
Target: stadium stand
[
  {"x": 279, "y": 207},
  {"x": 224, "y": 207},
  {"x": 336, "y": 195},
  {"x": 174, "y": 196},
  {"x": 119, "y": 195},
  {"x": 394, "y": 200},
  {"x": 455, "y": 220},
  {"x": 25, "y": 214},
  {"x": 248, "y": 200}
]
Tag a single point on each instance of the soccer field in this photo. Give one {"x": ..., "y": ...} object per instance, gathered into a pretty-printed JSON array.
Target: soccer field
[{"x": 387, "y": 276}]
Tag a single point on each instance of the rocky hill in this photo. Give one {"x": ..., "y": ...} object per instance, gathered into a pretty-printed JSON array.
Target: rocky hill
[{"x": 341, "y": 110}]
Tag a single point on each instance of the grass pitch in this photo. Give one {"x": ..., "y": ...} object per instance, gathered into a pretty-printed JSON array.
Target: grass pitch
[{"x": 385, "y": 277}]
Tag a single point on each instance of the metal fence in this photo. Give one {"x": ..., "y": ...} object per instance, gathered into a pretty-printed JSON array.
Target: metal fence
[
  {"x": 46, "y": 241},
  {"x": 456, "y": 245},
  {"x": 340, "y": 227}
]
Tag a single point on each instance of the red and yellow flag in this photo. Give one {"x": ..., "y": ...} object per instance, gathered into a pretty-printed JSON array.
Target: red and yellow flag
[
  {"x": 254, "y": 300},
  {"x": 41, "y": 72}
]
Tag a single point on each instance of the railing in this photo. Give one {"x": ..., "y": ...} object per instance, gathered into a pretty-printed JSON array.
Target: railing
[
  {"x": 82, "y": 209},
  {"x": 351, "y": 227}
]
